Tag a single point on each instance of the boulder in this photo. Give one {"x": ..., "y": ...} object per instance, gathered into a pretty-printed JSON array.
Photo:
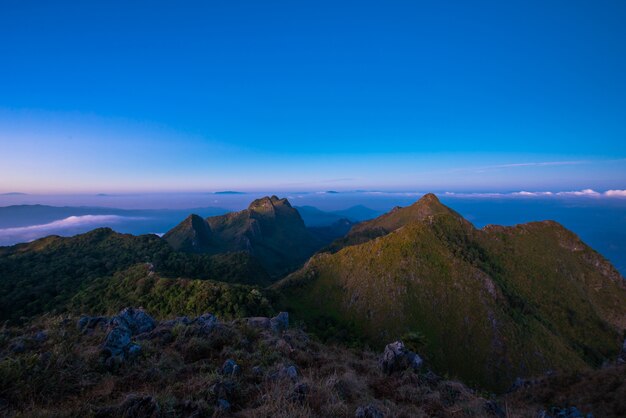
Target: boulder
[
  {"x": 280, "y": 322},
  {"x": 397, "y": 357},
  {"x": 40, "y": 336},
  {"x": 368, "y": 411},
  {"x": 223, "y": 405},
  {"x": 230, "y": 368},
  {"x": 206, "y": 321},
  {"x": 117, "y": 341},
  {"x": 136, "y": 320},
  {"x": 285, "y": 372}
]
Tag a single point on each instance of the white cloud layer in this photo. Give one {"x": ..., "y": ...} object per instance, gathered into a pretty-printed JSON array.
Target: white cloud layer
[
  {"x": 523, "y": 193},
  {"x": 615, "y": 193},
  {"x": 68, "y": 226}
]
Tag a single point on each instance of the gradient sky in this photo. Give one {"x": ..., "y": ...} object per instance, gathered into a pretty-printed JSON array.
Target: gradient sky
[{"x": 107, "y": 96}]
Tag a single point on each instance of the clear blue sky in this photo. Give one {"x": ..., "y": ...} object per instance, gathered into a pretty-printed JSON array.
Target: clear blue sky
[{"x": 105, "y": 96}]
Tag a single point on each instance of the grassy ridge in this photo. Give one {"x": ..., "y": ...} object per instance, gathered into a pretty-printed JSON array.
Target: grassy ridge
[
  {"x": 165, "y": 297},
  {"x": 43, "y": 276},
  {"x": 491, "y": 305}
]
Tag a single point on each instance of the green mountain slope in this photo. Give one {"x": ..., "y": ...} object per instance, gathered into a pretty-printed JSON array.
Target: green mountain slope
[
  {"x": 270, "y": 230},
  {"x": 43, "y": 276},
  {"x": 489, "y": 305}
]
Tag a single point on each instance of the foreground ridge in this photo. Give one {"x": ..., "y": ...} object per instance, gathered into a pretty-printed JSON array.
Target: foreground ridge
[{"x": 202, "y": 366}]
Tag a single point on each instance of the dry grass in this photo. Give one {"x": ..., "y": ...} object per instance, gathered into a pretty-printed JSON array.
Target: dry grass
[{"x": 177, "y": 374}]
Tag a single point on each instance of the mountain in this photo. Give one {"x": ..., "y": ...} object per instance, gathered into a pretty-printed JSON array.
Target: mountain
[
  {"x": 357, "y": 213},
  {"x": 191, "y": 235},
  {"x": 314, "y": 217},
  {"x": 270, "y": 230},
  {"x": 332, "y": 232},
  {"x": 44, "y": 275},
  {"x": 486, "y": 305}
]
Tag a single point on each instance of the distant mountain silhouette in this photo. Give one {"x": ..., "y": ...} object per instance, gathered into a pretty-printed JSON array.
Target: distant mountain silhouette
[{"x": 270, "y": 229}]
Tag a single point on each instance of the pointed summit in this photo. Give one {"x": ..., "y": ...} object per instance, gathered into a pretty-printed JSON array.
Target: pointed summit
[
  {"x": 191, "y": 235},
  {"x": 429, "y": 198},
  {"x": 427, "y": 208},
  {"x": 267, "y": 203}
]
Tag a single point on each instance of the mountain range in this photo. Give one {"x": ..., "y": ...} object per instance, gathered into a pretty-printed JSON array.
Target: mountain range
[{"x": 486, "y": 305}]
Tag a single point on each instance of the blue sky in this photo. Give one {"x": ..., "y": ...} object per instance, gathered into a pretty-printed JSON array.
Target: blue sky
[{"x": 150, "y": 96}]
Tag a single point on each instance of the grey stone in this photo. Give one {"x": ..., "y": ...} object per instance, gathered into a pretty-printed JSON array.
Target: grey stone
[
  {"x": 230, "y": 368},
  {"x": 280, "y": 322},
  {"x": 117, "y": 340},
  {"x": 40, "y": 336},
  {"x": 134, "y": 350},
  {"x": 397, "y": 357},
  {"x": 136, "y": 320},
  {"x": 206, "y": 321},
  {"x": 223, "y": 404}
]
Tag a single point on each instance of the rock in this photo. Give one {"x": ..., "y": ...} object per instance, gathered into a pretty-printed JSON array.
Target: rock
[
  {"x": 206, "y": 321},
  {"x": 223, "y": 404},
  {"x": 571, "y": 412},
  {"x": 397, "y": 358},
  {"x": 230, "y": 368},
  {"x": 280, "y": 322},
  {"x": 285, "y": 372},
  {"x": 260, "y": 322},
  {"x": 40, "y": 336},
  {"x": 368, "y": 411},
  {"x": 291, "y": 372},
  {"x": 116, "y": 341},
  {"x": 134, "y": 350},
  {"x": 136, "y": 320}
]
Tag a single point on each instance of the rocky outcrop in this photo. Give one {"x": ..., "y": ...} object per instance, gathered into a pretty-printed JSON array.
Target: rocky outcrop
[
  {"x": 280, "y": 322},
  {"x": 230, "y": 368},
  {"x": 397, "y": 358},
  {"x": 117, "y": 346}
]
